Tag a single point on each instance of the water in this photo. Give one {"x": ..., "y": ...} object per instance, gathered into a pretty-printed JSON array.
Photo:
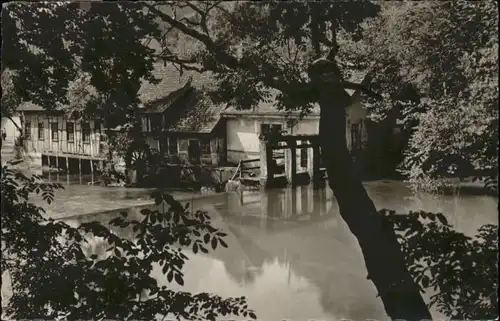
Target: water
[
  {"x": 78, "y": 197},
  {"x": 292, "y": 255}
]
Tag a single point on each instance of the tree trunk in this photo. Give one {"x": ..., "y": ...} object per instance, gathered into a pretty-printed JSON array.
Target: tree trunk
[{"x": 382, "y": 253}]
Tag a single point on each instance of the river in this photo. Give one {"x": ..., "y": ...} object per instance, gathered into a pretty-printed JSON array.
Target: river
[{"x": 289, "y": 253}]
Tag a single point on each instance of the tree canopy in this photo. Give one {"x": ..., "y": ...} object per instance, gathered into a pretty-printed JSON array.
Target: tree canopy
[
  {"x": 439, "y": 63},
  {"x": 435, "y": 62}
]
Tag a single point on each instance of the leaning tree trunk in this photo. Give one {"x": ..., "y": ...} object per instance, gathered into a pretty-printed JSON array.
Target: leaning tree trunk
[{"x": 382, "y": 253}]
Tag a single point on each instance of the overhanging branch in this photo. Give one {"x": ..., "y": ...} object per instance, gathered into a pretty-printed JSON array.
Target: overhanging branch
[{"x": 221, "y": 55}]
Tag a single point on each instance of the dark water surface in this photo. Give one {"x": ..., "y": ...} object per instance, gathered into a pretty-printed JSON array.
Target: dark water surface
[{"x": 290, "y": 253}]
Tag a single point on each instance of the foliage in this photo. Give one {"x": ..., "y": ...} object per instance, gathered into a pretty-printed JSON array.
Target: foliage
[
  {"x": 257, "y": 52},
  {"x": 94, "y": 63},
  {"x": 462, "y": 271},
  {"x": 52, "y": 276},
  {"x": 438, "y": 61}
]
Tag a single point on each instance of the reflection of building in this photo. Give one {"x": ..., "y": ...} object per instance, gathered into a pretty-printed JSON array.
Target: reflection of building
[{"x": 316, "y": 245}]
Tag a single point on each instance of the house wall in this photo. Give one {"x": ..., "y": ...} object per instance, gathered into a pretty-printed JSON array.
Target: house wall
[
  {"x": 9, "y": 128},
  {"x": 356, "y": 114},
  {"x": 243, "y": 131},
  {"x": 62, "y": 145},
  {"x": 243, "y": 135},
  {"x": 214, "y": 157}
]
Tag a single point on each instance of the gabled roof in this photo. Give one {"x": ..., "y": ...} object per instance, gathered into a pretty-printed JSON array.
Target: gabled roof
[
  {"x": 171, "y": 80},
  {"x": 162, "y": 104},
  {"x": 198, "y": 114},
  {"x": 269, "y": 107}
]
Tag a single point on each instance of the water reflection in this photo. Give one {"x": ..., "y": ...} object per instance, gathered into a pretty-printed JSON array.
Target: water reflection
[{"x": 292, "y": 255}]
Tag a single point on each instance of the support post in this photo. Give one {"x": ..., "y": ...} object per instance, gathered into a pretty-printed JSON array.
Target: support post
[
  {"x": 48, "y": 159},
  {"x": 291, "y": 164},
  {"x": 67, "y": 165},
  {"x": 80, "y": 166},
  {"x": 57, "y": 163},
  {"x": 266, "y": 162},
  {"x": 316, "y": 177},
  {"x": 92, "y": 171},
  {"x": 293, "y": 201}
]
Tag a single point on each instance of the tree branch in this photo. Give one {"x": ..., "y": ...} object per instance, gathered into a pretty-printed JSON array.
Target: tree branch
[
  {"x": 15, "y": 124},
  {"x": 351, "y": 85},
  {"x": 221, "y": 55}
]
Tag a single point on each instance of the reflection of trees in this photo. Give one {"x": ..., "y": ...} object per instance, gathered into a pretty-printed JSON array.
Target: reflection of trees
[{"x": 461, "y": 270}]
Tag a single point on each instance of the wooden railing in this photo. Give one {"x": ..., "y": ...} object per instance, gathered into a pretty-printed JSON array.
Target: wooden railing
[{"x": 238, "y": 174}]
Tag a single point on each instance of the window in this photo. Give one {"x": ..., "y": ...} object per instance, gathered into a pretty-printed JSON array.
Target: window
[
  {"x": 70, "y": 132},
  {"x": 97, "y": 126},
  {"x": 145, "y": 123},
  {"x": 54, "y": 132},
  {"x": 265, "y": 128},
  {"x": 270, "y": 128},
  {"x": 27, "y": 130},
  {"x": 41, "y": 131},
  {"x": 194, "y": 151},
  {"x": 156, "y": 123},
  {"x": 172, "y": 145},
  {"x": 86, "y": 133},
  {"x": 205, "y": 146},
  {"x": 355, "y": 137},
  {"x": 303, "y": 156}
]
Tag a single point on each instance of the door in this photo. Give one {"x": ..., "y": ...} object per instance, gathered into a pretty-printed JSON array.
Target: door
[
  {"x": 355, "y": 138},
  {"x": 194, "y": 151}
]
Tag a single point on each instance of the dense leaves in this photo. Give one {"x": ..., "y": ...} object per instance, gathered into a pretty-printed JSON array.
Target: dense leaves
[
  {"x": 430, "y": 58},
  {"x": 93, "y": 271},
  {"x": 93, "y": 61},
  {"x": 438, "y": 61},
  {"x": 461, "y": 271}
]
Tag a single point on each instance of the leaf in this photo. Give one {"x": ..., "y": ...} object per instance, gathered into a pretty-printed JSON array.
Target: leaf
[
  {"x": 425, "y": 282},
  {"x": 223, "y": 243},
  {"x": 116, "y": 221},
  {"x": 203, "y": 249},
  {"x": 252, "y": 315},
  {"x": 442, "y": 219},
  {"x": 195, "y": 248},
  {"x": 170, "y": 276},
  {"x": 178, "y": 279},
  {"x": 206, "y": 238}
]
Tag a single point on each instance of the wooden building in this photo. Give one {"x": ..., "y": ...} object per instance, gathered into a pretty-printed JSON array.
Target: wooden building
[
  {"x": 185, "y": 124},
  {"x": 56, "y": 138}
]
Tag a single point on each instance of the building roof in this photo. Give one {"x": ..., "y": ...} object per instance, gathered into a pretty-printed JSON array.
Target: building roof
[
  {"x": 198, "y": 115},
  {"x": 197, "y": 112},
  {"x": 269, "y": 107},
  {"x": 171, "y": 80}
]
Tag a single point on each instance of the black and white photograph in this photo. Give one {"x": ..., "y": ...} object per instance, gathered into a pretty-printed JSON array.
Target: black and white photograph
[{"x": 249, "y": 160}]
